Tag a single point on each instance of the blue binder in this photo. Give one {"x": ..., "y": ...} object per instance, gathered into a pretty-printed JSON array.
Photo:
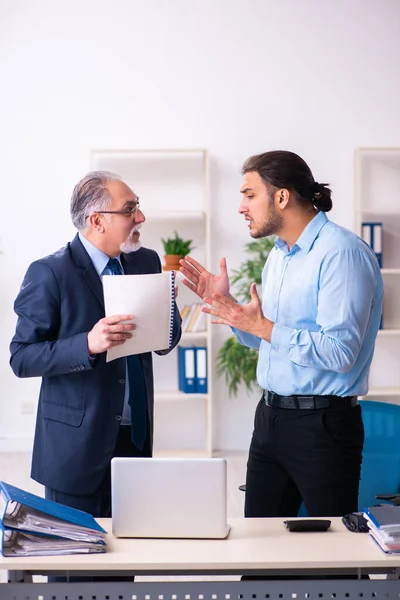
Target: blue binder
[
  {"x": 201, "y": 370},
  {"x": 14, "y": 542},
  {"x": 17, "y": 507},
  {"x": 187, "y": 370},
  {"x": 386, "y": 516},
  {"x": 372, "y": 234}
]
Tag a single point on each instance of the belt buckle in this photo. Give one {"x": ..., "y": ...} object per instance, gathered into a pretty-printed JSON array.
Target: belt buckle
[
  {"x": 270, "y": 399},
  {"x": 307, "y": 402}
]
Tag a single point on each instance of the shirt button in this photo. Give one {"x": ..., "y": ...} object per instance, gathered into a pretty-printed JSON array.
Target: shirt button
[
  {"x": 121, "y": 381},
  {"x": 118, "y": 417}
]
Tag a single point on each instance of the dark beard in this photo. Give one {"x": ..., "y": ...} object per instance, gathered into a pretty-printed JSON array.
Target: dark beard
[{"x": 271, "y": 227}]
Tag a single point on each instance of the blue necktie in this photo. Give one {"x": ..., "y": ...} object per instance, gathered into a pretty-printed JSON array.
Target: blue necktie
[{"x": 137, "y": 389}]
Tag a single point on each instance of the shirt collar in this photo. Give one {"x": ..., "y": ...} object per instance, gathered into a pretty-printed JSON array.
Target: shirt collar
[
  {"x": 98, "y": 257},
  {"x": 308, "y": 236}
]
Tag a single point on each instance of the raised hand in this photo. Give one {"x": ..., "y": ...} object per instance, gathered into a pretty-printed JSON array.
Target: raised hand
[
  {"x": 110, "y": 332},
  {"x": 202, "y": 282},
  {"x": 246, "y": 317}
]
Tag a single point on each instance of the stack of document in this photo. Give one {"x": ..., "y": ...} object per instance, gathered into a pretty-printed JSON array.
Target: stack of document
[
  {"x": 33, "y": 526},
  {"x": 384, "y": 526}
]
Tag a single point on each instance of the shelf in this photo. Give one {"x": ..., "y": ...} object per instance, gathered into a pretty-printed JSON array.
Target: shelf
[
  {"x": 390, "y": 271},
  {"x": 173, "y": 215},
  {"x": 177, "y": 396},
  {"x": 395, "y": 391},
  {"x": 181, "y": 453},
  {"x": 377, "y": 211},
  {"x": 389, "y": 332},
  {"x": 173, "y": 186},
  {"x": 188, "y": 336},
  {"x": 377, "y": 149}
]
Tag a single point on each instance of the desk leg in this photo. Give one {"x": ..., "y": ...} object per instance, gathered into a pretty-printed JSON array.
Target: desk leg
[{"x": 394, "y": 575}]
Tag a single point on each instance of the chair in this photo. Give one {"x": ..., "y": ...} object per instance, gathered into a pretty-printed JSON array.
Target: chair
[{"x": 380, "y": 470}]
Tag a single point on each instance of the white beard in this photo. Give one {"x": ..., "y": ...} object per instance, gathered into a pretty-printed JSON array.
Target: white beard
[{"x": 129, "y": 245}]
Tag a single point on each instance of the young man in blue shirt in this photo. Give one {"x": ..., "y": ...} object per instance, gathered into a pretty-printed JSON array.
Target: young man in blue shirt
[{"x": 315, "y": 328}]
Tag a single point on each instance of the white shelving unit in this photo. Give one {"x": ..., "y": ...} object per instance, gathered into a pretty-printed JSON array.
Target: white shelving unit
[
  {"x": 173, "y": 189},
  {"x": 377, "y": 199}
]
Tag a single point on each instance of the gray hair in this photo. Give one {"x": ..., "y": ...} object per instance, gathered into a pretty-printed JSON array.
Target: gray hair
[{"x": 91, "y": 194}]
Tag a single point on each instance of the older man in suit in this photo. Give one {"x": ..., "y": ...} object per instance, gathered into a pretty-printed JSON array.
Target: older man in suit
[{"x": 89, "y": 410}]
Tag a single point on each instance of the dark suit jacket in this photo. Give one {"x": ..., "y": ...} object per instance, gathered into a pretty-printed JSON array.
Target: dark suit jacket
[{"x": 81, "y": 401}]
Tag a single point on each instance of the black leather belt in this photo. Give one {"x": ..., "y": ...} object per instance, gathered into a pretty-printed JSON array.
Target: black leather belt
[{"x": 308, "y": 402}]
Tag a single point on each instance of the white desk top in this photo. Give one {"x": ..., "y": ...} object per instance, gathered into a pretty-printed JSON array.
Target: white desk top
[{"x": 259, "y": 544}]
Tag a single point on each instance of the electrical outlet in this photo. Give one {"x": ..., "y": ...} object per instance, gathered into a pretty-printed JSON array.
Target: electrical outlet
[{"x": 27, "y": 407}]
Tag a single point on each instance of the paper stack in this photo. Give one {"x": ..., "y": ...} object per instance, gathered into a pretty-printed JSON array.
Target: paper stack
[
  {"x": 33, "y": 526},
  {"x": 384, "y": 526}
]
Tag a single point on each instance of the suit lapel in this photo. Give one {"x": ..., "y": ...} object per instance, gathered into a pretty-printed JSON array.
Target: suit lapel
[{"x": 82, "y": 259}]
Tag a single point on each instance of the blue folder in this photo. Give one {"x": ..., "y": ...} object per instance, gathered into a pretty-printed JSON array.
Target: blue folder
[
  {"x": 21, "y": 510},
  {"x": 187, "y": 369},
  {"x": 14, "y": 542},
  {"x": 385, "y": 517},
  {"x": 201, "y": 370}
]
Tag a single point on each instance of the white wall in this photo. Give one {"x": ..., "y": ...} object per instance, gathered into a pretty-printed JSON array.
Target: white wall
[{"x": 234, "y": 76}]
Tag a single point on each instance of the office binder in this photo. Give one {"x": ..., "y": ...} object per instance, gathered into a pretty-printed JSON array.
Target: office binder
[
  {"x": 201, "y": 370},
  {"x": 186, "y": 370},
  {"x": 372, "y": 234},
  {"x": 14, "y": 542},
  {"x": 21, "y": 510},
  {"x": 385, "y": 517}
]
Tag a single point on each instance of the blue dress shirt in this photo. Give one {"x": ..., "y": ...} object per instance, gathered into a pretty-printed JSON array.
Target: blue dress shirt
[
  {"x": 325, "y": 298},
  {"x": 100, "y": 260}
]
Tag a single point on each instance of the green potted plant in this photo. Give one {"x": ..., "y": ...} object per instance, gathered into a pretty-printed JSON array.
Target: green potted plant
[
  {"x": 235, "y": 362},
  {"x": 174, "y": 249}
]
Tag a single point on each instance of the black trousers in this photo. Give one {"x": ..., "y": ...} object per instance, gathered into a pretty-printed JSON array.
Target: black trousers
[
  {"x": 99, "y": 503},
  {"x": 309, "y": 455}
]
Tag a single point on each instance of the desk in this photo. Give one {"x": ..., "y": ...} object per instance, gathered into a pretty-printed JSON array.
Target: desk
[{"x": 253, "y": 547}]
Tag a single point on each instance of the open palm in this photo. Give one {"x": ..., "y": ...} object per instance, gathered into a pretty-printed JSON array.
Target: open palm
[{"x": 202, "y": 282}]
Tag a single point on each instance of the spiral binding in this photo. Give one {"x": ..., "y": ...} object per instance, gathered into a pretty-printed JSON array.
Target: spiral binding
[{"x": 172, "y": 315}]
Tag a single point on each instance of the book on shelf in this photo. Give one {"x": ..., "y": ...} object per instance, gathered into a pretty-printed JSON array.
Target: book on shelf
[
  {"x": 193, "y": 319},
  {"x": 30, "y": 524}
]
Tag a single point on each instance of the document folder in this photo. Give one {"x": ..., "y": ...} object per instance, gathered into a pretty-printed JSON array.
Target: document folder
[
  {"x": 385, "y": 517},
  {"x": 201, "y": 370},
  {"x": 372, "y": 234},
  {"x": 21, "y": 510},
  {"x": 23, "y": 543},
  {"x": 187, "y": 370},
  {"x": 150, "y": 298}
]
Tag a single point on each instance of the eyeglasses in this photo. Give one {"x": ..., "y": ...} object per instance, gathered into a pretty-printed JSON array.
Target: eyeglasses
[{"x": 129, "y": 211}]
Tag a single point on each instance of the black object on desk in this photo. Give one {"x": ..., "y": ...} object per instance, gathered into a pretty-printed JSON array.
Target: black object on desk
[
  {"x": 308, "y": 524},
  {"x": 356, "y": 522}
]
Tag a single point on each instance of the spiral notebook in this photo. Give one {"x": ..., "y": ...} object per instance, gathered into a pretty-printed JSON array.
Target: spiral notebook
[{"x": 151, "y": 300}]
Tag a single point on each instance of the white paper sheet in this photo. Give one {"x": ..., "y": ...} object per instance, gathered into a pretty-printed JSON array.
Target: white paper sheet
[{"x": 150, "y": 299}]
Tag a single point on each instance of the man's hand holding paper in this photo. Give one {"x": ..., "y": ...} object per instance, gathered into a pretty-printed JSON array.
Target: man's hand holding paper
[
  {"x": 150, "y": 298},
  {"x": 110, "y": 332}
]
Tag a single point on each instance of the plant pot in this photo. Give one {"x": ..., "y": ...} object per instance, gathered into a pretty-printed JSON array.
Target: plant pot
[{"x": 172, "y": 262}]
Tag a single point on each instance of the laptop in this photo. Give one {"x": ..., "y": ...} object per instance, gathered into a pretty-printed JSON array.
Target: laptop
[{"x": 169, "y": 497}]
